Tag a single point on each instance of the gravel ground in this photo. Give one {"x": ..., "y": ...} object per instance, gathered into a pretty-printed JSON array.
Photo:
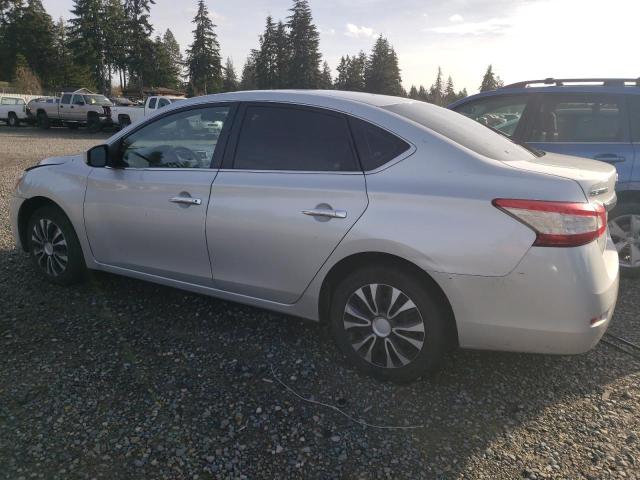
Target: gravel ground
[{"x": 118, "y": 378}]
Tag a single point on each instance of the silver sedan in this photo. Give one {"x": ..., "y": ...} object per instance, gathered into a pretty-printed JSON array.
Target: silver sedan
[{"x": 407, "y": 228}]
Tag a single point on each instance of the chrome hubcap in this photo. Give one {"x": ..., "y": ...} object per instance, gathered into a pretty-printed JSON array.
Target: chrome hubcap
[
  {"x": 49, "y": 247},
  {"x": 625, "y": 233},
  {"x": 384, "y": 326}
]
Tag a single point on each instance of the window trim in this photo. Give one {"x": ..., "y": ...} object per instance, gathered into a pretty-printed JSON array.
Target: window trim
[
  {"x": 622, "y": 105},
  {"x": 228, "y": 162},
  {"x": 115, "y": 148}
]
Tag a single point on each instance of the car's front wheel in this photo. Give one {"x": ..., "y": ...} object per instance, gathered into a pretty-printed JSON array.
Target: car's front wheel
[
  {"x": 54, "y": 246},
  {"x": 388, "y": 323},
  {"x": 624, "y": 227}
]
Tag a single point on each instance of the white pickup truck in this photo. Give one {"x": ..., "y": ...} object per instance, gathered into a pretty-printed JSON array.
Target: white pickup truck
[
  {"x": 125, "y": 116},
  {"x": 73, "y": 109},
  {"x": 13, "y": 110}
]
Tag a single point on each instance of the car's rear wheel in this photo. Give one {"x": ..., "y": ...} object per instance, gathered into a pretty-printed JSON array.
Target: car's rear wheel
[
  {"x": 54, "y": 246},
  {"x": 624, "y": 227},
  {"x": 43, "y": 120},
  {"x": 388, "y": 323},
  {"x": 13, "y": 120}
]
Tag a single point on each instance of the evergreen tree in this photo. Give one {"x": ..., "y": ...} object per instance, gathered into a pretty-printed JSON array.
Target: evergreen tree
[
  {"x": 422, "y": 94},
  {"x": 436, "y": 92},
  {"x": 229, "y": 79},
  {"x": 24, "y": 79},
  {"x": 248, "y": 81},
  {"x": 174, "y": 69},
  {"x": 413, "y": 92},
  {"x": 343, "y": 71},
  {"x": 266, "y": 60},
  {"x": 140, "y": 46},
  {"x": 304, "y": 39},
  {"x": 351, "y": 73},
  {"x": 382, "y": 74},
  {"x": 87, "y": 39},
  {"x": 325, "y": 82},
  {"x": 450, "y": 95},
  {"x": 114, "y": 22},
  {"x": 283, "y": 56},
  {"x": 67, "y": 73},
  {"x": 203, "y": 57},
  {"x": 490, "y": 81}
]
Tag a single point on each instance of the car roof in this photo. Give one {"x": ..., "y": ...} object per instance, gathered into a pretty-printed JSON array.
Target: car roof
[{"x": 310, "y": 97}]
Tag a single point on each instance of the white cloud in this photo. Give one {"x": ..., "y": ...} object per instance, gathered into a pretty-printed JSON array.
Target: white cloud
[
  {"x": 457, "y": 18},
  {"x": 359, "y": 32},
  {"x": 327, "y": 31},
  {"x": 492, "y": 26}
]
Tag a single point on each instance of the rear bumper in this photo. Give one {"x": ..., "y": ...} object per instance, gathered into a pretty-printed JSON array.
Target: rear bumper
[{"x": 544, "y": 306}]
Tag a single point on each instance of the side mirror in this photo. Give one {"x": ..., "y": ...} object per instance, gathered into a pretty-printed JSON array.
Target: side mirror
[{"x": 98, "y": 156}]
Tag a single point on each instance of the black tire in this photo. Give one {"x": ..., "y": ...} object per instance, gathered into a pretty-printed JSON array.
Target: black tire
[
  {"x": 43, "y": 120},
  {"x": 93, "y": 123},
  {"x": 124, "y": 121},
  {"x": 432, "y": 314},
  {"x": 620, "y": 215},
  {"x": 48, "y": 260},
  {"x": 13, "y": 120}
]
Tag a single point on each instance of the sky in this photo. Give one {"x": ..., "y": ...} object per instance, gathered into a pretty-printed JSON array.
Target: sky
[{"x": 522, "y": 39}]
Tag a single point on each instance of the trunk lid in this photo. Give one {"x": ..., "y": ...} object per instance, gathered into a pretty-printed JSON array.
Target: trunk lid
[{"x": 597, "y": 179}]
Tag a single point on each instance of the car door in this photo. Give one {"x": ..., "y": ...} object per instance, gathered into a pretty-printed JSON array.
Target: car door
[
  {"x": 289, "y": 191},
  {"x": 64, "y": 107},
  {"x": 77, "y": 109},
  {"x": 587, "y": 125},
  {"x": 5, "y": 105},
  {"x": 148, "y": 214},
  {"x": 633, "y": 107}
]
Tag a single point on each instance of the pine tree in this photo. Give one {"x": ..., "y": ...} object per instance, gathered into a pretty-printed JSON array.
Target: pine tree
[
  {"x": 325, "y": 83},
  {"x": 67, "y": 73},
  {"x": 203, "y": 56},
  {"x": 140, "y": 46},
  {"x": 422, "y": 94},
  {"x": 436, "y": 92},
  {"x": 450, "y": 95},
  {"x": 248, "y": 81},
  {"x": 229, "y": 79},
  {"x": 174, "y": 69},
  {"x": 413, "y": 92},
  {"x": 382, "y": 74},
  {"x": 25, "y": 80},
  {"x": 490, "y": 81},
  {"x": 114, "y": 27},
  {"x": 266, "y": 61},
  {"x": 87, "y": 39},
  {"x": 283, "y": 55},
  {"x": 343, "y": 72},
  {"x": 304, "y": 39}
]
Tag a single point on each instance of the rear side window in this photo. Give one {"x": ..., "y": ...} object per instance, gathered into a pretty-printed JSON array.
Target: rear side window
[
  {"x": 285, "y": 138},
  {"x": 375, "y": 146},
  {"x": 634, "y": 117},
  {"x": 500, "y": 112},
  {"x": 578, "y": 118}
]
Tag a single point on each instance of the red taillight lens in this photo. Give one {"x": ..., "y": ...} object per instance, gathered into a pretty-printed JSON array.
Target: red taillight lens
[{"x": 558, "y": 224}]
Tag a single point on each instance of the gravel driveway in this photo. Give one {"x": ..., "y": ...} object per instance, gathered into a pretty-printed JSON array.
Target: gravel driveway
[{"x": 118, "y": 378}]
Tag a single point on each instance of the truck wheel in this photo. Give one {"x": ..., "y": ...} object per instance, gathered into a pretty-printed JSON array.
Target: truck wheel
[
  {"x": 13, "y": 120},
  {"x": 93, "y": 123},
  {"x": 124, "y": 121},
  {"x": 43, "y": 120}
]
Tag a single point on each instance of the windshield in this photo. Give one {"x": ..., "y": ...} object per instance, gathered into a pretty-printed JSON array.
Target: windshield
[
  {"x": 462, "y": 130},
  {"x": 96, "y": 100}
]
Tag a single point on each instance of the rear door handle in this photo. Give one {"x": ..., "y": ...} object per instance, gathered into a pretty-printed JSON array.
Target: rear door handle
[
  {"x": 321, "y": 212},
  {"x": 609, "y": 157},
  {"x": 186, "y": 200}
]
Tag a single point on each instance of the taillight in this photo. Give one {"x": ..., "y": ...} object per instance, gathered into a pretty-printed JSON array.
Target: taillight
[{"x": 558, "y": 224}]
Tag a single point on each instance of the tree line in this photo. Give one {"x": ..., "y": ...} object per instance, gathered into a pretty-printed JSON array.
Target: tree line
[{"x": 112, "y": 42}]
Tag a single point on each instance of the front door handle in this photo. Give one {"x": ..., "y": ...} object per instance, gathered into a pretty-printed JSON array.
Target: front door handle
[
  {"x": 321, "y": 212},
  {"x": 186, "y": 200},
  {"x": 609, "y": 157}
]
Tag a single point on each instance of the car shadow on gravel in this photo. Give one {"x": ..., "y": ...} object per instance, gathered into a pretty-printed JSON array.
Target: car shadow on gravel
[{"x": 117, "y": 377}]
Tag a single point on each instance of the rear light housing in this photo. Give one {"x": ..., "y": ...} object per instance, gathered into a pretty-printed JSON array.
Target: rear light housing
[{"x": 558, "y": 224}]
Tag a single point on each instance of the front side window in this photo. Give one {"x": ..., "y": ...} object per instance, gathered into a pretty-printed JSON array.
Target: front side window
[
  {"x": 184, "y": 139},
  {"x": 152, "y": 102},
  {"x": 501, "y": 113},
  {"x": 66, "y": 98},
  {"x": 578, "y": 118},
  {"x": 78, "y": 100},
  {"x": 287, "y": 138}
]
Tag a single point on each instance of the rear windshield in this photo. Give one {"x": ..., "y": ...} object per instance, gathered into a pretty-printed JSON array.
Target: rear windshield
[
  {"x": 462, "y": 130},
  {"x": 96, "y": 100}
]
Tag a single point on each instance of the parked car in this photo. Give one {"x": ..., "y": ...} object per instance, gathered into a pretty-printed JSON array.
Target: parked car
[
  {"x": 594, "y": 118},
  {"x": 31, "y": 116},
  {"x": 407, "y": 228},
  {"x": 13, "y": 110},
  {"x": 74, "y": 109},
  {"x": 126, "y": 115}
]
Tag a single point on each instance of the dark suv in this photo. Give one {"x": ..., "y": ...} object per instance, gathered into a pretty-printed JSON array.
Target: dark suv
[{"x": 596, "y": 118}]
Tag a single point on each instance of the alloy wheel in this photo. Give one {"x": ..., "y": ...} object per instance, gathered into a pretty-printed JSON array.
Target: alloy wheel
[
  {"x": 384, "y": 325},
  {"x": 625, "y": 233},
  {"x": 50, "y": 247}
]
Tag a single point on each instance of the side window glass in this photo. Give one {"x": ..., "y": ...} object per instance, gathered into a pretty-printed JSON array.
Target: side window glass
[
  {"x": 500, "y": 113},
  {"x": 284, "y": 138},
  {"x": 163, "y": 102},
  {"x": 375, "y": 146},
  {"x": 578, "y": 118},
  {"x": 7, "y": 101},
  {"x": 634, "y": 117},
  {"x": 78, "y": 100},
  {"x": 182, "y": 140},
  {"x": 152, "y": 102},
  {"x": 66, "y": 98}
]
